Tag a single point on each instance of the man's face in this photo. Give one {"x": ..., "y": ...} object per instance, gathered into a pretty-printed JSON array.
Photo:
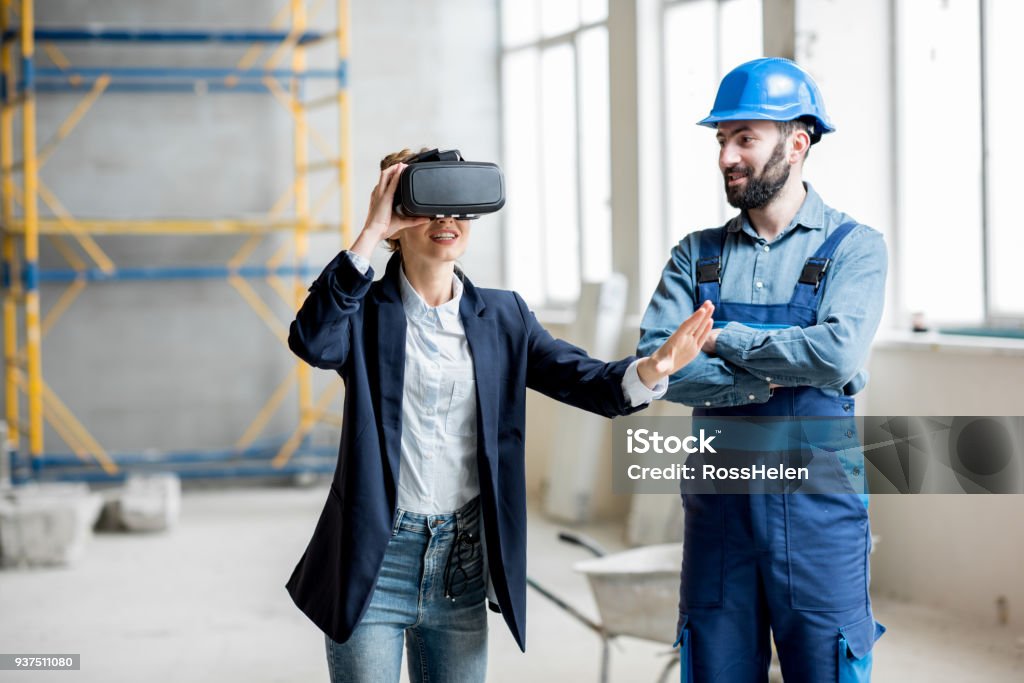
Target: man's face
[{"x": 753, "y": 162}]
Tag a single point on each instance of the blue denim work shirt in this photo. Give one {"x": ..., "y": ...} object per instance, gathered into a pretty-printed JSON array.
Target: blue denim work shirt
[{"x": 828, "y": 355}]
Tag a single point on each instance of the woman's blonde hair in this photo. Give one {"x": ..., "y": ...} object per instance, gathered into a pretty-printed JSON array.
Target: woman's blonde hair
[{"x": 391, "y": 160}]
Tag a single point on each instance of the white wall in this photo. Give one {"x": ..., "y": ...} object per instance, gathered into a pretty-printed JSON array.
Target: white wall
[
  {"x": 962, "y": 551},
  {"x": 845, "y": 45},
  {"x": 955, "y": 551},
  {"x": 426, "y": 74}
]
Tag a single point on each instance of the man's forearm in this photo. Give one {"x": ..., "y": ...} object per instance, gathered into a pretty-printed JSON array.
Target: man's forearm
[
  {"x": 820, "y": 355},
  {"x": 712, "y": 382}
]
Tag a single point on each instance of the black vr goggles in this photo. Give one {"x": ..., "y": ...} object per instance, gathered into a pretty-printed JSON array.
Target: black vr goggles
[{"x": 440, "y": 183}]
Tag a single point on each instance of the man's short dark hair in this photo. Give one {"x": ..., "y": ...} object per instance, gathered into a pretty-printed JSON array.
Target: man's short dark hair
[{"x": 787, "y": 127}]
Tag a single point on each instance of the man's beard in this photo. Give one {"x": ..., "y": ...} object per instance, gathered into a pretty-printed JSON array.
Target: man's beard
[{"x": 760, "y": 190}]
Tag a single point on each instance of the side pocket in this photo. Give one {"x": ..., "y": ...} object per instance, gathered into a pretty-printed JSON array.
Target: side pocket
[
  {"x": 703, "y": 551},
  {"x": 685, "y": 653},
  {"x": 827, "y": 537},
  {"x": 854, "y": 650}
]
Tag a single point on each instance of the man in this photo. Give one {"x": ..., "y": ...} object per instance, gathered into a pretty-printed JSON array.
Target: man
[{"x": 798, "y": 289}]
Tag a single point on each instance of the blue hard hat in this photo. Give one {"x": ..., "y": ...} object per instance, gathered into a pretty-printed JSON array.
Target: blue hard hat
[{"x": 770, "y": 89}]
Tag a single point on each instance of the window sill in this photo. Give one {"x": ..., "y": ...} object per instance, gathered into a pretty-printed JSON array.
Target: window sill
[{"x": 938, "y": 342}]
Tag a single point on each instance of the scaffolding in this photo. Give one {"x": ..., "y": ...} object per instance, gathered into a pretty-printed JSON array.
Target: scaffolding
[{"x": 21, "y": 223}]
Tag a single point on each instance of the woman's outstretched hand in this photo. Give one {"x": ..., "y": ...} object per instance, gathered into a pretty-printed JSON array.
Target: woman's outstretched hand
[
  {"x": 381, "y": 220},
  {"x": 679, "y": 349}
]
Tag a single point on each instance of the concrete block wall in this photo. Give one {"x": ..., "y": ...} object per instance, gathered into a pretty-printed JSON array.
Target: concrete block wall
[{"x": 187, "y": 365}]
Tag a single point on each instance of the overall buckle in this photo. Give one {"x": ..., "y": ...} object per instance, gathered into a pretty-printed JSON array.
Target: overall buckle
[
  {"x": 814, "y": 271},
  {"x": 709, "y": 272}
]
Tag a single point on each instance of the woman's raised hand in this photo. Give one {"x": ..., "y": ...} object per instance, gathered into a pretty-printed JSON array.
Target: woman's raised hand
[
  {"x": 381, "y": 221},
  {"x": 382, "y": 216},
  {"x": 679, "y": 349}
]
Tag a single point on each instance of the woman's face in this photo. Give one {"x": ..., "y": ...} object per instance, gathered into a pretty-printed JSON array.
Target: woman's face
[{"x": 441, "y": 240}]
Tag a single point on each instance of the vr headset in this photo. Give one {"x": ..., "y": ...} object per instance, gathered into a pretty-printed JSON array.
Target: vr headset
[{"x": 440, "y": 183}]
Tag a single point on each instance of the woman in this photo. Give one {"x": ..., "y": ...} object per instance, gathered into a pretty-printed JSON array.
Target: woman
[{"x": 426, "y": 517}]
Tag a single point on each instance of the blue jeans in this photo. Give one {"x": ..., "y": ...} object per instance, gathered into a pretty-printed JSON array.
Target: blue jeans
[{"x": 431, "y": 594}]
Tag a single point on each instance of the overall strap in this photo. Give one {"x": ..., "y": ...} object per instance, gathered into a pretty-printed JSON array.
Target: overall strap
[
  {"x": 709, "y": 267},
  {"x": 807, "y": 290}
]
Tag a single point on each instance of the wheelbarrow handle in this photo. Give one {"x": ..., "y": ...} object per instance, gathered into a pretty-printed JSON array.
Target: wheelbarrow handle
[
  {"x": 583, "y": 541},
  {"x": 572, "y": 611}
]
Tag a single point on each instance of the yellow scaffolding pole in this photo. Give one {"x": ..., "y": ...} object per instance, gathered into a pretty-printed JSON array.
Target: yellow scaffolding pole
[
  {"x": 68, "y": 296},
  {"x": 80, "y": 450},
  {"x": 252, "y": 55},
  {"x": 291, "y": 40},
  {"x": 257, "y": 304},
  {"x": 278, "y": 285},
  {"x": 344, "y": 122},
  {"x": 67, "y": 252},
  {"x": 60, "y": 61},
  {"x": 75, "y": 228},
  {"x": 321, "y": 201},
  {"x": 12, "y": 288},
  {"x": 306, "y": 422},
  {"x": 267, "y": 411},
  {"x": 63, "y": 303},
  {"x": 301, "y": 234},
  {"x": 79, "y": 432},
  {"x": 31, "y": 220},
  {"x": 294, "y": 106},
  {"x": 74, "y": 117}
]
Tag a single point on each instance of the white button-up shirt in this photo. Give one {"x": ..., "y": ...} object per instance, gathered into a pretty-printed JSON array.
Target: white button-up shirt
[{"x": 438, "y": 472}]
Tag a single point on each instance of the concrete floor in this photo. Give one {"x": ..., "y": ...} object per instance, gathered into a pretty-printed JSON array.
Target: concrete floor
[{"x": 206, "y": 602}]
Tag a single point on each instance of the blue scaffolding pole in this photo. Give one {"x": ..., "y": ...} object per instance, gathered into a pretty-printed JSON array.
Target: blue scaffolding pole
[
  {"x": 132, "y": 35},
  {"x": 169, "y": 273}
]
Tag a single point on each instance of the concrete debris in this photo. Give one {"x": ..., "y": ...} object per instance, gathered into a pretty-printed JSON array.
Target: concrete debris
[{"x": 46, "y": 524}]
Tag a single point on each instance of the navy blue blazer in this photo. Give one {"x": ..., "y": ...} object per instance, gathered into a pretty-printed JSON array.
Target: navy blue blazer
[{"x": 355, "y": 326}]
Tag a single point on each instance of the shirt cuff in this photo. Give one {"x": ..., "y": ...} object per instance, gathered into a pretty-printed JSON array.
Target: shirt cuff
[
  {"x": 734, "y": 340},
  {"x": 361, "y": 264},
  {"x": 751, "y": 389},
  {"x": 636, "y": 392},
  {"x": 732, "y": 344}
]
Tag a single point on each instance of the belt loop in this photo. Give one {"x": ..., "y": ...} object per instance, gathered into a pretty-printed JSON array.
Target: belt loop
[{"x": 399, "y": 513}]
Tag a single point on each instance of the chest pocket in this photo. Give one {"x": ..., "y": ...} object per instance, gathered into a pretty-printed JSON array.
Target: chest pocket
[{"x": 461, "y": 417}]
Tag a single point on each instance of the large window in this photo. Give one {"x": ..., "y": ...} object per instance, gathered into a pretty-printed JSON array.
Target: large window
[
  {"x": 1004, "y": 148},
  {"x": 556, "y": 146},
  {"x": 958, "y": 96},
  {"x": 703, "y": 40}
]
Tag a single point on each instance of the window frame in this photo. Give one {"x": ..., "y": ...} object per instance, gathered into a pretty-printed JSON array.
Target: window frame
[{"x": 541, "y": 44}]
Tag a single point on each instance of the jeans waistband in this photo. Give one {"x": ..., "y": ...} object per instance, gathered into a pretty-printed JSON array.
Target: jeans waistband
[{"x": 466, "y": 518}]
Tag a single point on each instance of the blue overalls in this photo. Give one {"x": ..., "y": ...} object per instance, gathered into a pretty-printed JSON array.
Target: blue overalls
[{"x": 795, "y": 564}]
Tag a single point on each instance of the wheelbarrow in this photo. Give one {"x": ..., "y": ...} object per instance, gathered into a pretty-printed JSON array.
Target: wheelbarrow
[
  {"x": 636, "y": 591},
  {"x": 637, "y": 595}
]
